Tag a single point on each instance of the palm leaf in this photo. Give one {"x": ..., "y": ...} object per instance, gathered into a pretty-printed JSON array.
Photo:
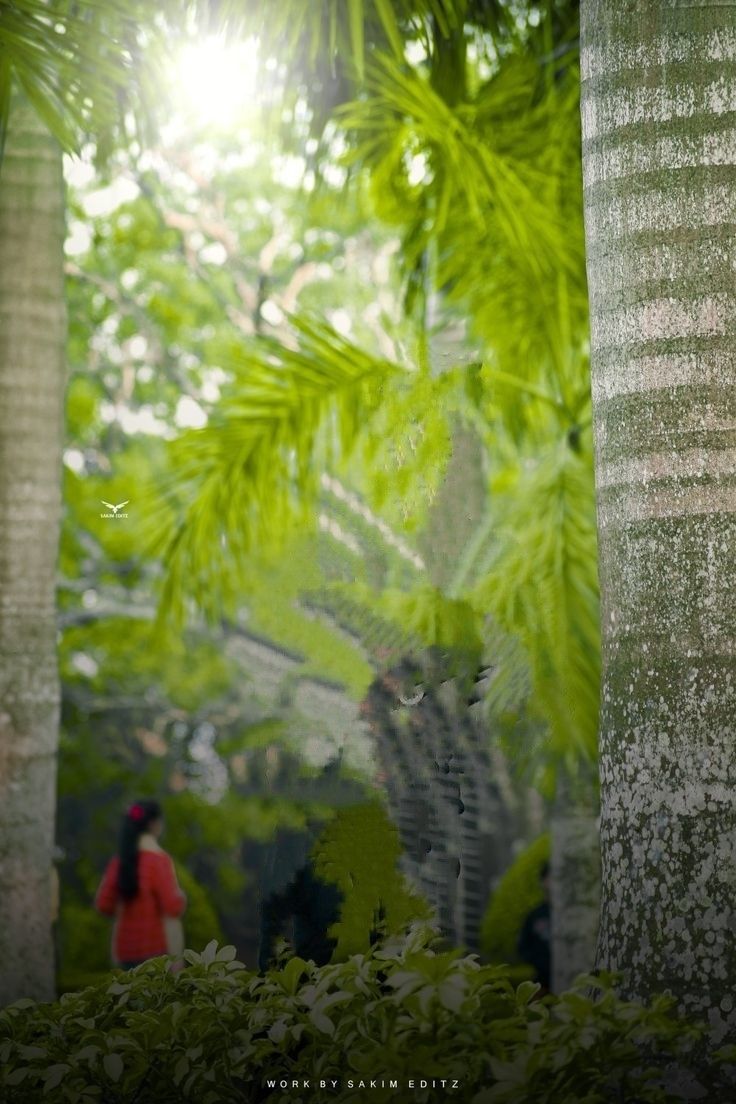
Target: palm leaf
[
  {"x": 539, "y": 583},
  {"x": 71, "y": 62},
  {"x": 243, "y": 482},
  {"x": 498, "y": 210},
  {"x": 402, "y": 111}
]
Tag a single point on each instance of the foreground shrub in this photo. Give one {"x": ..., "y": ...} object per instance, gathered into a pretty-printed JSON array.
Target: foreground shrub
[{"x": 215, "y": 1033}]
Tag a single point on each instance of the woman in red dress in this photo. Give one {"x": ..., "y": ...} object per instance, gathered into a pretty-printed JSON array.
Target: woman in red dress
[{"x": 140, "y": 889}]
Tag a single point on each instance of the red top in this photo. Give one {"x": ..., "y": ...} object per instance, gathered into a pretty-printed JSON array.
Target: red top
[{"x": 139, "y": 932}]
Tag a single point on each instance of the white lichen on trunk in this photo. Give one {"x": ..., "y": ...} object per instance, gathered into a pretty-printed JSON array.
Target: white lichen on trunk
[
  {"x": 32, "y": 338},
  {"x": 659, "y": 96}
]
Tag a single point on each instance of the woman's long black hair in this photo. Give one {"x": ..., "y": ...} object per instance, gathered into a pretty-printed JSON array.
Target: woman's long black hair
[{"x": 136, "y": 821}]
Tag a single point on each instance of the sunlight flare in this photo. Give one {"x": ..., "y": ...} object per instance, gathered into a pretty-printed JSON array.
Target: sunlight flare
[{"x": 216, "y": 80}]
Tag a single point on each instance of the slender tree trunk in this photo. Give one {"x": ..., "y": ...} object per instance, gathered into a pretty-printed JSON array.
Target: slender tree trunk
[
  {"x": 574, "y": 881},
  {"x": 659, "y": 95},
  {"x": 32, "y": 337}
]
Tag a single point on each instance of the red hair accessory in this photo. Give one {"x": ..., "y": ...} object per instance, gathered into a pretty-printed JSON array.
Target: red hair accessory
[{"x": 137, "y": 813}]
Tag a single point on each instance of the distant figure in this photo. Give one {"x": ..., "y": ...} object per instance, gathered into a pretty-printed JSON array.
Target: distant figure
[
  {"x": 534, "y": 940},
  {"x": 140, "y": 890},
  {"x": 313, "y": 905}
]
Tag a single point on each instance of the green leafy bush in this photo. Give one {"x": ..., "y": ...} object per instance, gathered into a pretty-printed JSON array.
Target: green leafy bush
[
  {"x": 518, "y": 892},
  {"x": 359, "y": 851},
  {"x": 215, "y": 1033}
]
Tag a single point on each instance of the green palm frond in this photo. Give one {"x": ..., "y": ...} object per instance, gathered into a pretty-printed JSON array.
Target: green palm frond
[
  {"x": 539, "y": 583},
  {"x": 424, "y": 616},
  {"x": 324, "y": 32},
  {"x": 403, "y": 117},
  {"x": 353, "y": 608},
  {"x": 518, "y": 306},
  {"x": 448, "y": 624},
  {"x": 70, "y": 60},
  {"x": 403, "y": 460},
  {"x": 241, "y": 483},
  {"x": 494, "y": 219}
]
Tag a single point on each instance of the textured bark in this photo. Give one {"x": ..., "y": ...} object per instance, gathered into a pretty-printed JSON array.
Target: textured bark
[
  {"x": 32, "y": 337},
  {"x": 659, "y": 96},
  {"x": 574, "y": 884}
]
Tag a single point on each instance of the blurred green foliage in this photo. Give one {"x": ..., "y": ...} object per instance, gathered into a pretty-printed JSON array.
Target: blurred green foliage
[
  {"x": 155, "y": 327},
  {"x": 274, "y": 336},
  {"x": 518, "y": 892}
]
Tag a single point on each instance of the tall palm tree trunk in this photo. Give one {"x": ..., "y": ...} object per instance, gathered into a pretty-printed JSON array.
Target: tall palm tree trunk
[
  {"x": 32, "y": 337},
  {"x": 659, "y": 95}
]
